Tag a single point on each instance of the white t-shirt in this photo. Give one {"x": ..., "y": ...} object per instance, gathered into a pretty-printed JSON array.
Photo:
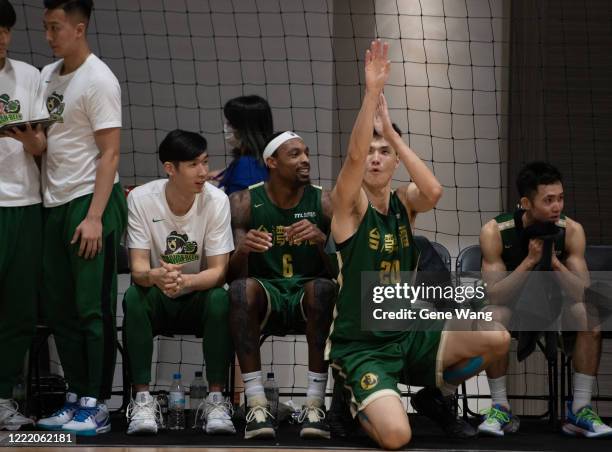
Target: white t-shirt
[
  {"x": 19, "y": 175},
  {"x": 86, "y": 100},
  {"x": 203, "y": 231}
]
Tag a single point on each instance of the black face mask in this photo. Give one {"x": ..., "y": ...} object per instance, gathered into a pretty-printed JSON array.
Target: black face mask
[{"x": 547, "y": 231}]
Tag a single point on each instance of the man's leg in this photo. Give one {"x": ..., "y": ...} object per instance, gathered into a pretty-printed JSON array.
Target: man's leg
[
  {"x": 144, "y": 314},
  {"x": 95, "y": 285},
  {"x": 386, "y": 422},
  {"x": 59, "y": 308},
  {"x": 499, "y": 419},
  {"x": 317, "y": 304},
  {"x": 249, "y": 307},
  {"x": 20, "y": 273},
  {"x": 210, "y": 316},
  {"x": 582, "y": 420}
]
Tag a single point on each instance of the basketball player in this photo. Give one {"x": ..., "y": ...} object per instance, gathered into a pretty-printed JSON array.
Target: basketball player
[
  {"x": 20, "y": 217},
  {"x": 85, "y": 215},
  {"x": 180, "y": 237},
  {"x": 366, "y": 208},
  {"x": 540, "y": 187},
  {"x": 280, "y": 276}
]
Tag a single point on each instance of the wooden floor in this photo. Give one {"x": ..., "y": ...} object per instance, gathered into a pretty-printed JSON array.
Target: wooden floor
[{"x": 174, "y": 449}]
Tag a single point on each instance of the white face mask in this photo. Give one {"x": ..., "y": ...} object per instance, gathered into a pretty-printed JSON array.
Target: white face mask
[{"x": 230, "y": 136}]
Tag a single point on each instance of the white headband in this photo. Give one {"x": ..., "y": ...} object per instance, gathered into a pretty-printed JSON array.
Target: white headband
[{"x": 277, "y": 142}]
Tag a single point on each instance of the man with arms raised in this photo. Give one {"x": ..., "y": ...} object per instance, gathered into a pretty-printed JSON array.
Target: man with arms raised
[
  {"x": 372, "y": 230},
  {"x": 280, "y": 276},
  {"x": 85, "y": 215}
]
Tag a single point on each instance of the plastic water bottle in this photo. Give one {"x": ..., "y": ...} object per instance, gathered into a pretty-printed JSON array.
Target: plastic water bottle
[
  {"x": 162, "y": 399},
  {"x": 271, "y": 391},
  {"x": 176, "y": 404},
  {"x": 19, "y": 394},
  {"x": 197, "y": 393}
]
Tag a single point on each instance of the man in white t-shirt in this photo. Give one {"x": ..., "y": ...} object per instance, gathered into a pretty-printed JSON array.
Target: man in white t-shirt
[
  {"x": 180, "y": 238},
  {"x": 85, "y": 215},
  {"x": 20, "y": 218}
]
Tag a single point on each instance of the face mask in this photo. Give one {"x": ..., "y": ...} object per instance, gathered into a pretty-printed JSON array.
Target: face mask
[{"x": 230, "y": 136}]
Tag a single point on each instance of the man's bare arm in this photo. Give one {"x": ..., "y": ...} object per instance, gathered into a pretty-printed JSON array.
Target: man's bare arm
[
  {"x": 90, "y": 229},
  {"x": 246, "y": 240},
  {"x": 502, "y": 288},
  {"x": 573, "y": 275},
  {"x": 349, "y": 199},
  {"x": 165, "y": 277}
]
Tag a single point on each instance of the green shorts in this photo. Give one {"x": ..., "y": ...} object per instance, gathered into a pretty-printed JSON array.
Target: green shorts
[
  {"x": 374, "y": 372},
  {"x": 285, "y": 314}
]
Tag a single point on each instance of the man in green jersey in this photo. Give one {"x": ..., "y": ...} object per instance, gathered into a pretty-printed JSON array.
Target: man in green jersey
[
  {"x": 372, "y": 230},
  {"x": 280, "y": 278},
  {"x": 512, "y": 248}
]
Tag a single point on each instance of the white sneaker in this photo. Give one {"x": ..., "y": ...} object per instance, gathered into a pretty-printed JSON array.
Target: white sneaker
[
  {"x": 90, "y": 419},
  {"x": 10, "y": 417},
  {"x": 61, "y": 416},
  {"x": 217, "y": 415},
  {"x": 144, "y": 413}
]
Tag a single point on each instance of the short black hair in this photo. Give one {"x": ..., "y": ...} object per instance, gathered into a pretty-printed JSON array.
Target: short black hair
[
  {"x": 7, "y": 14},
  {"x": 82, "y": 7},
  {"x": 181, "y": 146},
  {"x": 534, "y": 174},
  {"x": 395, "y": 127},
  {"x": 251, "y": 117}
]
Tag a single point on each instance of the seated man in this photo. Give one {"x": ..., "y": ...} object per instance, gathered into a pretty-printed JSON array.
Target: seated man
[
  {"x": 180, "y": 238},
  {"x": 280, "y": 274},
  {"x": 508, "y": 255},
  {"x": 372, "y": 230}
]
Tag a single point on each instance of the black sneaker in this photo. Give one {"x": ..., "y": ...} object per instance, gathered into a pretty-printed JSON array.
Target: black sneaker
[
  {"x": 259, "y": 423},
  {"x": 431, "y": 403},
  {"x": 313, "y": 421}
]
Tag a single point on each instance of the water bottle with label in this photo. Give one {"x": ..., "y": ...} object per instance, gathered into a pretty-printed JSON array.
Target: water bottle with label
[
  {"x": 271, "y": 390},
  {"x": 162, "y": 399},
  {"x": 176, "y": 404}
]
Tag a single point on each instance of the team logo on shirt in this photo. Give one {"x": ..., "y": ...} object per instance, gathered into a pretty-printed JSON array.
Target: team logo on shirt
[
  {"x": 55, "y": 106},
  {"x": 9, "y": 109},
  {"x": 179, "y": 250},
  {"x": 368, "y": 381}
]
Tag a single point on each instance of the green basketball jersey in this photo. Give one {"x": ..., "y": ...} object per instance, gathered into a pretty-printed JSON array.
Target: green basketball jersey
[
  {"x": 283, "y": 261},
  {"x": 514, "y": 251},
  {"x": 384, "y": 244}
]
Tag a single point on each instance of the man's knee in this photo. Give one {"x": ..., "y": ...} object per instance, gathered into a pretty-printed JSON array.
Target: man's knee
[
  {"x": 218, "y": 303},
  {"x": 132, "y": 301},
  {"x": 243, "y": 294},
  {"x": 320, "y": 294},
  {"x": 395, "y": 435},
  {"x": 499, "y": 342}
]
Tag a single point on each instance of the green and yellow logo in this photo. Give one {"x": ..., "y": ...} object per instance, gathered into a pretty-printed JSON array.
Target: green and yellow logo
[
  {"x": 55, "y": 106},
  {"x": 368, "y": 381},
  {"x": 179, "y": 250},
  {"x": 9, "y": 109}
]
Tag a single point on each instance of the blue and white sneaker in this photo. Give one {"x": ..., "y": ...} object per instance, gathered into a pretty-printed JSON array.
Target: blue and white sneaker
[
  {"x": 585, "y": 422},
  {"x": 90, "y": 419},
  {"x": 61, "y": 416},
  {"x": 499, "y": 420}
]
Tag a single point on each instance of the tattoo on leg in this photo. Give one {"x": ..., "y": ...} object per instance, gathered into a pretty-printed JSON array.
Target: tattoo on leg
[{"x": 246, "y": 337}]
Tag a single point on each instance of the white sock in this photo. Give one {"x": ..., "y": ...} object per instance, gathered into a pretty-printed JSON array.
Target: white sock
[
  {"x": 253, "y": 385},
  {"x": 583, "y": 389},
  {"x": 316, "y": 385},
  {"x": 448, "y": 389},
  {"x": 498, "y": 391}
]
